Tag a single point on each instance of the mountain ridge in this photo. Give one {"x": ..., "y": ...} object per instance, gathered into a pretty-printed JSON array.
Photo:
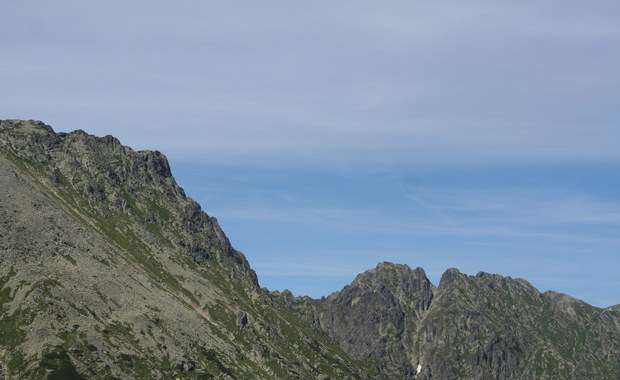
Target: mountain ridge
[
  {"x": 108, "y": 270},
  {"x": 405, "y": 337}
]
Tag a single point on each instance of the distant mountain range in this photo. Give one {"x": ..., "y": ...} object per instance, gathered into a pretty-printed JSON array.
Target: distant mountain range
[{"x": 108, "y": 270}]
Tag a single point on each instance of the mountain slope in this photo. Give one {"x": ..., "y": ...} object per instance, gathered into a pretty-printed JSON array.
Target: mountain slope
[
  {"x": 108, "y": 270},
  {"x": 483, "y": 327}
]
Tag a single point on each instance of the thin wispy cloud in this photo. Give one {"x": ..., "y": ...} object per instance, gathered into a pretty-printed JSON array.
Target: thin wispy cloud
[{"x": 311, "y": 84}]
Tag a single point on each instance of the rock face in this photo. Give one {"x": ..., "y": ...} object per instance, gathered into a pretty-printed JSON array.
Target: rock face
[
  {"x": 470, "y": 327},
  {"x": 107, "y": 270},
  {"x": 376, "y": 316},
  {"x": 491, "y": 326}
]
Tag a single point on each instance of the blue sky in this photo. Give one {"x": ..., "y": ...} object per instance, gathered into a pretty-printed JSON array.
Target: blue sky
[{"x": 329, "y": 136}]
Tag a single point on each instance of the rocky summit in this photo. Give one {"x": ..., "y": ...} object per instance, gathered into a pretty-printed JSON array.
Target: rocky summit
[
  {"x": 470, "y": 327},
  {"x": 109, "y": 271}
]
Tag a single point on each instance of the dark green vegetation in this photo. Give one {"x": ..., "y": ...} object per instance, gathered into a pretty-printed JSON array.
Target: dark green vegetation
[{"x": 107, "y": 270}]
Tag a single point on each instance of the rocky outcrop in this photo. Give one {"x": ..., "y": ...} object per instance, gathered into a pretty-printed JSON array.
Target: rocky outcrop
[
  {"x": 376, "y": 316},
  {"x": 490, "y": 326},
  {"x": 471, "y": 327},
  {"x": 115, "y": 181}
]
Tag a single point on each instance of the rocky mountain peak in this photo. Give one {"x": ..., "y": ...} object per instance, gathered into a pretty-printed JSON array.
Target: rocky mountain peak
[
  {"x": 450, "y": 276},
  {"x": 120, "y": 183},
  {"x": 376, "y": 316},
  {"x": 79, "y": 152},
  {"x": 400, "y": 277}
]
